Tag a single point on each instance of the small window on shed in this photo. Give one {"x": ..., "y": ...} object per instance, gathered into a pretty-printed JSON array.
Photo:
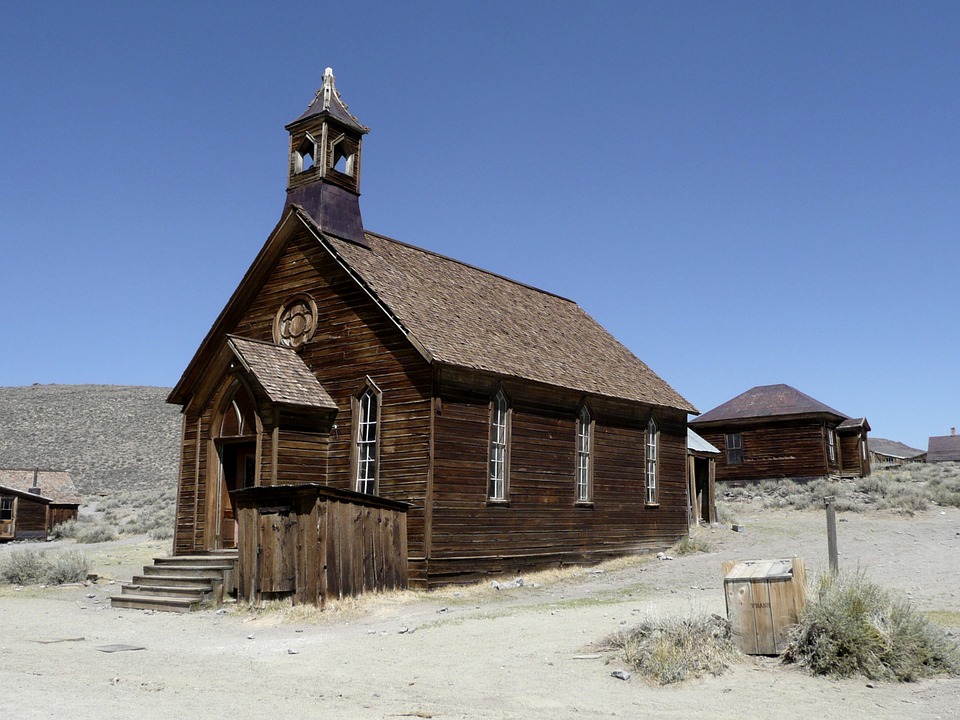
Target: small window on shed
[
  {"x": 831, "y": 446},
  {"x": 6, "y": 508},
  {"x": 734, "y": 443}
]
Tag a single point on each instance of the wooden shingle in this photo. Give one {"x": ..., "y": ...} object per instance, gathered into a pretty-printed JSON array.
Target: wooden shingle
[{"x": 281, "y": 373}]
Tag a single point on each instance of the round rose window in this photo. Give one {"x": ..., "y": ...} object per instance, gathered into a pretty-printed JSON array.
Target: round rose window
[{"x": 296, "y": 321}]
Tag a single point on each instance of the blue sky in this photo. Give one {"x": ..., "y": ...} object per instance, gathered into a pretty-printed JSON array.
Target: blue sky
[{"x": 742, "y": 193}]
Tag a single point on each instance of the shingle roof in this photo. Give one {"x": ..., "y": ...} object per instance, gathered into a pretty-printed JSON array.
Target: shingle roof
[
  {"x": 943, "y": 448},
  {"x": 893, "y": 448},
  {"x": 766, "y": 401},
  {"x": 471, "y": 318},
  {"x": 57, "y": 485},
  {"x": 281, "y": 373}
]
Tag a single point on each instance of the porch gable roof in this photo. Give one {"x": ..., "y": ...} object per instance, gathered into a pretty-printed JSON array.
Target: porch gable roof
[{"x": 281, "y": 374}]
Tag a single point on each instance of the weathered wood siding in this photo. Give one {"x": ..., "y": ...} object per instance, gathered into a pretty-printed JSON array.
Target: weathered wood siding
[
  {"x": 61, "y": 513},
  {"x": 313, "y": 544},
  {"x": 31, "y": 518},
  {"x": 301, "y": 457},
  {"x": 354, "y": 341},
  {"x": 851, "y": 455},
  {"x": 541, "y": 524},
  {"x": 787, "y": 449}
]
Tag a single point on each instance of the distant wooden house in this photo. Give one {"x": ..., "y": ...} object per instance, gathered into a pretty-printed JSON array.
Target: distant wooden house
[
  {"x": 32, "y": 502},
  {"x": 518, "y": 432},
  {"x": 776, "y": 431},
  {"x": 944, "y": 448},
  {"x": 701, "y": 476},
  {"x": 890, "y": 453}
]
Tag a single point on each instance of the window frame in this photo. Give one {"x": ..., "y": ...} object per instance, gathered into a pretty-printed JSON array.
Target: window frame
[
  {"x": 831, "y": 445},
  {"x": 498, "y": 449},
  {"x": 365, "y": 452},
  {"x": 9, "y": 501},
  {"x": 734, "y": 451},
  {"x": 583, "y": 470},
  {"x": 651, "y": 463}
]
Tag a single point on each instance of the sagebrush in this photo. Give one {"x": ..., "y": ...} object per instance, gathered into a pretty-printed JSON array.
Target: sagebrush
[
  {"x": 37, "y": 567},
  {"x": 907, "y": 489},
  {"x": 670, "y": 650},
  {"x": 852, "y": 626}
]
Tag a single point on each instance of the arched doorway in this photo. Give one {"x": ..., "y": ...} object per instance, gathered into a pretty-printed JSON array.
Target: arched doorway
[{"x": 235, "y": 440}]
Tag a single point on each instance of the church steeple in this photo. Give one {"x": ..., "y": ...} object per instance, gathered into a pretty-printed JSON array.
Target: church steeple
[{"x": 324, "y": 174}]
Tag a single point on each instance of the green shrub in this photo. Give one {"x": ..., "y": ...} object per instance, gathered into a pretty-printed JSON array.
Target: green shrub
[
  {"x": 96, "y": 533},
  {"x": 162, "y": 532},
  {"x": 853, "y": 627},
  {"x": 66, "y": 529},
  {"x": 671, "y": 650},
  {"x": 33, "y": 567}
]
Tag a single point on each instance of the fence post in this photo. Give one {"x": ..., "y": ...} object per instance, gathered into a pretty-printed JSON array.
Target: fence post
[{"x": 831, "y": 533}]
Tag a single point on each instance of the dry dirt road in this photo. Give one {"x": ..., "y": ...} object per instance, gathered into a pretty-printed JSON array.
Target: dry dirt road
[{"x": 467, "y": 653}]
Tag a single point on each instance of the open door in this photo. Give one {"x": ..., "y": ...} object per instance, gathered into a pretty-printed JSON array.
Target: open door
[
  {"x": 238, "y": 464},
  {"x": 236, "y": 445}
]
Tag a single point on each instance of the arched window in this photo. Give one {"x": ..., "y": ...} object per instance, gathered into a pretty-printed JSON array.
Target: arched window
[
  {"x": 499, "y": 456},
  {"x": 239, "y": 416},
  {"x": 584, "y": 450},
  {"x": 367, "y": 414},
  {"x": 653, "y": 439}
]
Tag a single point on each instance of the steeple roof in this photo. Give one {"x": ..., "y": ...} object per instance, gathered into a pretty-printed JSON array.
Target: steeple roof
[{"x": 328, "y": 102}]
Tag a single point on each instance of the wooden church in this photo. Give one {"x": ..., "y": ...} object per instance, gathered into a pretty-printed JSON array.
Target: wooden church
[{"x": 513, "y": 430}]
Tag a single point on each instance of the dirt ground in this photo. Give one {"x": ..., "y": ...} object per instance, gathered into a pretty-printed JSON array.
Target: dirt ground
[{"x": 473, "y": 652}]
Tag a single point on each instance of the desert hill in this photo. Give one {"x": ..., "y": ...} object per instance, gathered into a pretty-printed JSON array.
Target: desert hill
[{"x": 107, "y": 436}]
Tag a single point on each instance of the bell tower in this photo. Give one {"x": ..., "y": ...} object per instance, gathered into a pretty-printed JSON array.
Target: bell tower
[{"x": 324, "y": 168}]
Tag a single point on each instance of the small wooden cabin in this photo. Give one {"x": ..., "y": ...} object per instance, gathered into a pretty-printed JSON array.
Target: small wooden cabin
[
  {"x": 519, "y": 432},
  {"x": 32, "y": 502},
  {"x": 776, "y": 431},
  {"x": 944, "y": 448}
]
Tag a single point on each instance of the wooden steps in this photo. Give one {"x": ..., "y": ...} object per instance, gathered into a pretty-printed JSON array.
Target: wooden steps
[{"x": 181, "y": 583}]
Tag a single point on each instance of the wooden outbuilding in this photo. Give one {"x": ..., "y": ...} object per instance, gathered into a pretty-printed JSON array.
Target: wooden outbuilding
[
  {"x": 32, "y": 502},
  {"x": 519, "y": 432},
  {"x": 944, "y": 448},
  {"x": 701, "y": 477},
  {"x": 776, "y": 431}
]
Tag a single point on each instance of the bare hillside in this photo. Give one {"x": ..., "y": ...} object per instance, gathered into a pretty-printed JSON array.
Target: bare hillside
[{"x": 109, "y": 437}]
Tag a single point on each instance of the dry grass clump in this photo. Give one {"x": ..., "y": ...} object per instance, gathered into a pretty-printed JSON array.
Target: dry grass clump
[
  {"x": 693, "y": 543},
  {"x": 36, "y": 567},
  {"x": 670, "y": 650},
  {"x": 853, "y": 627}
]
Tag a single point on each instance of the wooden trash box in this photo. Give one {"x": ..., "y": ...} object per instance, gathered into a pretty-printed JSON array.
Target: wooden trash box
[{"x": 764, "y": 600}]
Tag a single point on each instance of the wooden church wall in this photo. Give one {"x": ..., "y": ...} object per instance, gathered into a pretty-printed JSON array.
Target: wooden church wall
[
  {"x": 541, "y": 525},
  {"x": 354, "y": 341}
]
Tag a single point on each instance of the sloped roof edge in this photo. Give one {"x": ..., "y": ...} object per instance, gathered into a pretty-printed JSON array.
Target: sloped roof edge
[{"x": 767, "y": 401}]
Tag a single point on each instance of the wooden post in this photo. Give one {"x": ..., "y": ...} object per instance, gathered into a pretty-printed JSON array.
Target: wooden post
[{"x": 831, "y": 533}]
